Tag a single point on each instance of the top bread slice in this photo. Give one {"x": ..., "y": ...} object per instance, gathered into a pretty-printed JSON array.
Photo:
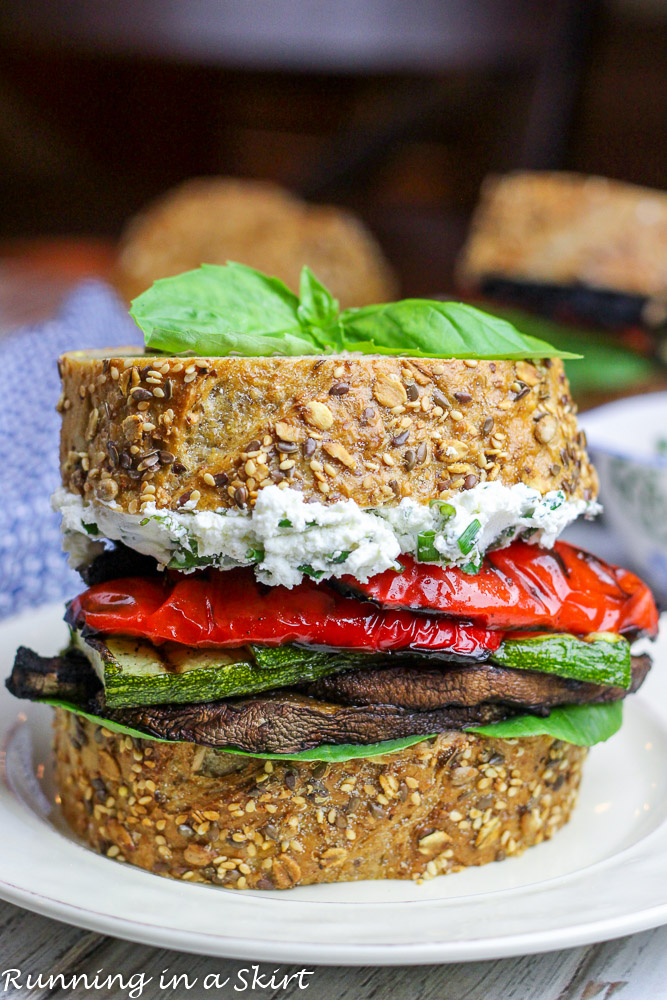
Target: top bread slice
[
  {"x": 211, "y": 432},
  {"x": 566, "y": 229}
]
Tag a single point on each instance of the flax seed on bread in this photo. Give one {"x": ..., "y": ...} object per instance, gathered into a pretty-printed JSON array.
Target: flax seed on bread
[
  {"x": 214, "y": 431},
  {"x": 198, "y": 815}
]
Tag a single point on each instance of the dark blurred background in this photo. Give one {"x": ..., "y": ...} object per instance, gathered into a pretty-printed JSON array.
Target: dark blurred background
[{"x": 394, "y": 109}]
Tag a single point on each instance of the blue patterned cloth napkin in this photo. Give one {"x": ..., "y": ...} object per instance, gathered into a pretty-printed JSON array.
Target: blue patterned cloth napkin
[{"x": 33, "y": 569}]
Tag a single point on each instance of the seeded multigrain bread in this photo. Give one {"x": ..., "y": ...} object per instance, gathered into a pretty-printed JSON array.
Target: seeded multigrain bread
[
  {"x": 216, "y": 219},
  {"x": 189, "y": 813},
  {"x": 567, "y": 229},
  {"x": 211, "y": 432}
]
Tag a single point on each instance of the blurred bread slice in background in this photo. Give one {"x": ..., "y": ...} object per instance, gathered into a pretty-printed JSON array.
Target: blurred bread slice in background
[
  {"x": 566, "y": 228},
  {"x": 216, "y": 219},
  {"x": 581, "y": 262},
  {"x": 571, "y": 246}
]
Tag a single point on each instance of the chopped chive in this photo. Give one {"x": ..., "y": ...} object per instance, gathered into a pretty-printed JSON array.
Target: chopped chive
[
  {"x": 187, "y": 560},
  {"x": 284, "y": 522},
  {"x": 340, "y": 558},
  {"x": 160, "y": 518},
  {"x": 446, "y": 509},
  {"x": 307, "y": 570},
  {"x": 91, "y": 528},
  {"x": 144, "y": 521},
  {"x": 472, "y": 567},
  {"x": 255, "y": 555},
  {"x": 426, "y": 550},
  {"x": 467, "y": 539},
  {"x": 554, "y": 502},
  {"x": 504, "y": 538}
]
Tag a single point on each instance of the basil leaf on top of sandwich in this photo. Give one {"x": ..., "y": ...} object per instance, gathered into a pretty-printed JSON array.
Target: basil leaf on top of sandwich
[{"x": 327, "y": 630}]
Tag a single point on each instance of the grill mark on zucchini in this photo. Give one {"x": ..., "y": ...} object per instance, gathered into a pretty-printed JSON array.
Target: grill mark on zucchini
[
  {"x": 134, "y": 672},
  {"x": 599, "y": 658}
]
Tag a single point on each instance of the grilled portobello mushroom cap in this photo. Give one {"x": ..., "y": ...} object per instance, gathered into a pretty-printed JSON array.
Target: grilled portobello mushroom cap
[
  {"x": 423, "y": 689},
  {"x": 393, "y": 703},
  {"x": 288, "y": 722}
]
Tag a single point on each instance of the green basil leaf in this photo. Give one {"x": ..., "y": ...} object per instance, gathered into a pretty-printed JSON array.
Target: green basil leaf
[
  {"x": 426, "y": 328},
  {"x": 218, "y": 310},
  {"x": 233, "y": 309},
  {"x": 583, "y": 725},
  {"x": 317, "y": 306},
  {"x": 330, "y": 753},
  {"x": 607, "y": 366},
  {"x": 113, "y": 727},
  {"x": 341, "y": 752}
]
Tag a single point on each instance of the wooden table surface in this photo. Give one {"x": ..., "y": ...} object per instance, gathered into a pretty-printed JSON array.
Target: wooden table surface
[{"x": 630, "y": 968}]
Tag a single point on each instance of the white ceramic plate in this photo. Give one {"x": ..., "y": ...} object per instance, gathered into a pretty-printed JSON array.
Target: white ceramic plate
[{"x": 602, "y": 876}]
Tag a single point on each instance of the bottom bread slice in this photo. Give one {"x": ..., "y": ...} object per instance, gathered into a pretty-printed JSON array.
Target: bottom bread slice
[{"x": 200, "y": 815}]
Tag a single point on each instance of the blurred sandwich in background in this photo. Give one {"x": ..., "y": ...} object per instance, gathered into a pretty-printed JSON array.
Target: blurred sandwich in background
[
  {"x": 216, "y": 219},
  {"x": 581, "y": 248},
  {"x": 580, "y": 261}
]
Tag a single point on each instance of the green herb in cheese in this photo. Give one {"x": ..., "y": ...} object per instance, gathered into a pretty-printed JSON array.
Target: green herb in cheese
[{"x": 283, "y": 533}]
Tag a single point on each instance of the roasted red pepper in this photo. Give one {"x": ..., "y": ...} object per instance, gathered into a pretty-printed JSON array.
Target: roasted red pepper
[
  {"x": 521, "y": 587},
  {"x": 563, "y": 589},
  {"x": 232, "y": 609}
]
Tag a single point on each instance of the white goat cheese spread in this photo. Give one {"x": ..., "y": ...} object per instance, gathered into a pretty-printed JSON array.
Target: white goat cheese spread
[{"x": 285, "y": 538}]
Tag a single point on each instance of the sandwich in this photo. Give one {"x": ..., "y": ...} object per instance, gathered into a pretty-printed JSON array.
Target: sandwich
[
  {"x": 257, "y": 223},
  {"x": 580, "y": 249},
  {"x": 327, "y": 630}
]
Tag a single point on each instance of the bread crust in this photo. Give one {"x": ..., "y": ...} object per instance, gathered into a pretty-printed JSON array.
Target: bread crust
[
  {"x": 214, "y": 431},
  {"x": 565, "y": 229},
  {"x": 216, "y": 219},
  {"x": 193, "y": 814}
]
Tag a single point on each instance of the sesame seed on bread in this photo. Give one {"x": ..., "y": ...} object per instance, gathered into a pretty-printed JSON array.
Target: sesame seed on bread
[
  {"x": 189, "y": 813},
  {"x": 214, "y": 431}
]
